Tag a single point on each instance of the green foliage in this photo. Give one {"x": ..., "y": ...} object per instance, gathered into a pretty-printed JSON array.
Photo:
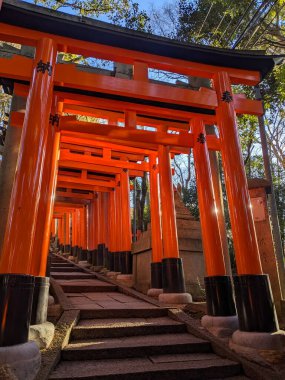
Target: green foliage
[{"x": 120, "y": 12}]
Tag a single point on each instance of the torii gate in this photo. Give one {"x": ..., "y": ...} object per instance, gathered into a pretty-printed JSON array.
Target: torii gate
[{"x": 52, "y": 88}]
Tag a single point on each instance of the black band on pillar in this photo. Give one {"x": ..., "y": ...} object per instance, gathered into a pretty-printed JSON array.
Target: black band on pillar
[
  {"x": 83, "y": 255},
  {"x": 106, "y": 258},
  {"x": 117, "y": 264},
  {"x": 16, "y": 297},
  {"x": 67, "y": 248},
  {"x": 219, "y": 296},
  {"x": 100, "y": 254},
  {"x": 94, "y": 257},
  {"x": 126, "y": 261},
  {"x": 111, "y": 261},
  {"x": 156, "y": 275},
  {"x": 40, "y": 301},
  {"x": 173, "y": 275},
  {"x": 255, "y": 307},
  {"x": 89, "y": 256},
  {"x": 74, "y": 250}
]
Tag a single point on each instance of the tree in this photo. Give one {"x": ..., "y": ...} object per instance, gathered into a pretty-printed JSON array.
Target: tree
[
  {"x": 248, "y": 25},
  {"x": 120, "y": 12}
]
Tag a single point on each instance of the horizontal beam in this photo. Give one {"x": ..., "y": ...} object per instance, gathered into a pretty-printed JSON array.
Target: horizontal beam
[
  {"x": 108, "y": 184},
  {"x": 99, "y": 151},
  {"x": 79, "y": 141},
  {"x": 118, "y": 105},
  {"x": 80, "y": 186},
  {"x": 25, "y": 36},
  {"x": 86, "y": 181},
  {"x": 244, "y": 106},
  {"x": 119, "y": 117},
  {"x": 72, "y": 200},
  {"x": 97, "y": 168},
  {"x": 68, "y": 204},
  {"x": 68, "y": 75},
  {"x": 66, "y": 157},
  {"x": 70, "y": 194},
  {"x": 64, "y": 173},
  {"x": 184, "y": 140}
]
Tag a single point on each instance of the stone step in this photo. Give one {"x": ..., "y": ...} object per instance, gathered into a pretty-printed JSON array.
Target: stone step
[
  {"x": 167, "y": 367},
  {"x": 147, "y": 312},
  {"x": 123, "y": 327},
  {"x": 61, "y": 263},
  {"x": 65, "y": 269},
  {"x": 72, "y": 287},
  {"x": 70, "y": 275},
  {"x": 137, "y": 346}
]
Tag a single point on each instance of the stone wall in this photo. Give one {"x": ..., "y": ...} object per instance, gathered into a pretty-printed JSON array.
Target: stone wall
[{"x": 190, "y": 248}]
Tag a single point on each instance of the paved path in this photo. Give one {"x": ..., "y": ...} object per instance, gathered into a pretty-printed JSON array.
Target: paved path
[{"x": 122, "y": 337}]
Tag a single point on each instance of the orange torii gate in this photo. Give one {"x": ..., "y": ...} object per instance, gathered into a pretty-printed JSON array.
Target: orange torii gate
[
  {"x": 54, "y": 88},
  {"x": 119, "y": 161}
]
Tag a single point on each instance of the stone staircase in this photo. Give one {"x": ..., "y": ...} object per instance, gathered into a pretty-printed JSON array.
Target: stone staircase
[{"x": 122, "y": 337}]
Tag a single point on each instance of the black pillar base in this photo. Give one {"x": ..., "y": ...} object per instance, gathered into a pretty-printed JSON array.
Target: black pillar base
[
  {"x": 40, "y": 301},
  {"x": 117, "y": 263},
  {"x": 78, "y": 254},
  {"x": 156, "y": 275},
  {"x": 75, "y": 250},
  {"x": 254, "y": 301},
  {"x": 173, "y": 276},
  {"x": 16, "y": 297},
  {"x": 219, "y": 296},
  {"x": 89, "y": 256},
  {"x": 82, "y": 256},
  {"x": 100, "y": 255},
  {"x": 106, "y": 258},
  {"x": 94, "y": 257},
  {"x": 67, "y": 248},
  {"x": 111, "y": 261},
  {"x": 126, "y": 262}
]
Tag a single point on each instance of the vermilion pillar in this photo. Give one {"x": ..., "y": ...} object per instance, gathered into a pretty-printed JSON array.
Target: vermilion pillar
[
  {"x": 74, "y": 229},
  {"x": 112, "y": 229},
  {"x": 156, "y": 236},
  {"x": 96, "y": 228},
  {"x": 172, "y": 268},
  {"x": 102, "y": 230},
  {"x": 53, "y": 227},
  {"x": 119, "y": 230},
  {"x": 50, "y": 203},
  {"x": 96, "y": 221},
  {"x": 84, "y": 227},
  {"x": 90, "y": 225},
  {"x": 125, "y": 254},
  {"x": 67, "y": 228},
  {"x": 216, "y": 180},
  {"x": 24, "y": 204},
  {"x": 217, "y": 284},
  {"x": 78, "y": 228},
  {"x": 105, "y": 197},
  {"x": 255, "y": 313},
  {"x": 59, "y": 229}
]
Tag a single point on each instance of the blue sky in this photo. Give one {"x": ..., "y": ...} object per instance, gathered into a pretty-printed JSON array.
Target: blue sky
[{"x": 147, "y": 4}]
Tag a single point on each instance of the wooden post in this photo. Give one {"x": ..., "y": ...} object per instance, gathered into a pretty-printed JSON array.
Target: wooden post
[
  {"x": 255, "y": 313},
  {"x": 24, "y": 203},
  {"x": 218, "y": 286}
]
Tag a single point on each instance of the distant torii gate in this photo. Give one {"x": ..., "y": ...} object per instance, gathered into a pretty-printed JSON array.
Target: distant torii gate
[{"x": 52, "y": 89}]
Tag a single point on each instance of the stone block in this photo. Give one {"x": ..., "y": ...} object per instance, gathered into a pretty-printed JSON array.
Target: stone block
[{"x": 21, "y": 361}]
